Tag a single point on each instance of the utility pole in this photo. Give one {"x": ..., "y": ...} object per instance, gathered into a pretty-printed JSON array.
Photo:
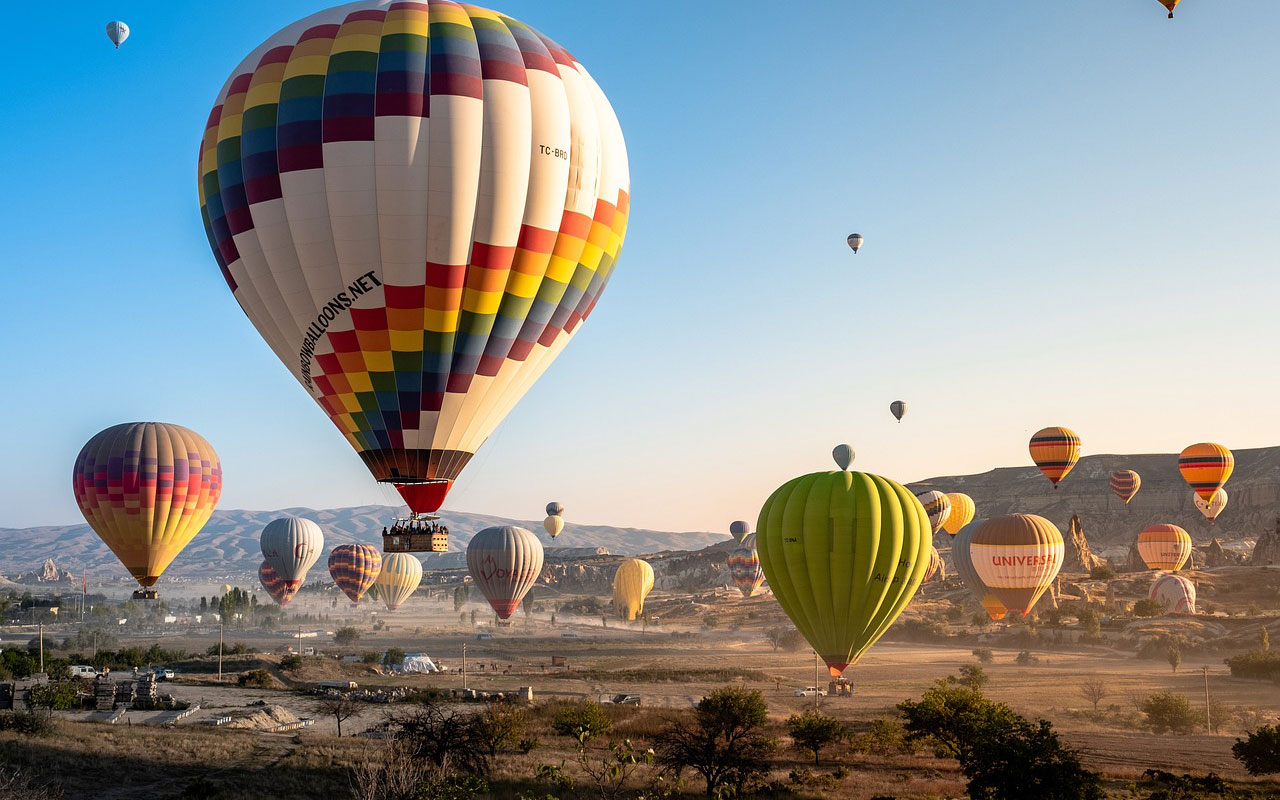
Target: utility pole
[
  {"x": 299, "y": 641},
  {"x": 464, "y": 666},
  {"x": 1208, "y": 720},
  {"x": 219, "y": 651},
  {"x": 42, "y": 647},
  {"x": 816, "y": 659}
]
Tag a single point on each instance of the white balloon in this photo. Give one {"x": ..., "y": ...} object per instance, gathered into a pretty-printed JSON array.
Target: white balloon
[{"x": 117, "y": 32}]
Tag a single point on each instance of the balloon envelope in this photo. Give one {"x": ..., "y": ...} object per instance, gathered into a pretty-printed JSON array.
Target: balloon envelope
[
  {"x": 291, "y": 545},
  {"x": 354, "y": 568},
  {"x": 1169, "y": 4},
  {"x": 844, "y": 552},
  {"x": 554, "y": 509},
  {"x": 898, "y": 409},
  {"x": 1164, "y": 546},
  {"x": 1206, "y": 467},
  {"x": 936, "y": 569},
  {"x": 1213, "y": 507},
  {"x": 843, "y": 454},
  {"x": 117, "y": 32},
  {"x": 739, "y": 529},
  {"x": 744, "y": 568},
  {"x": 962, "y": 511},
  {"x": 398, "y": 579},
  {"x": 505, "y": 562},
  {"x": 631, "y": 585},
  {"x": 553, "y": 525},
  {"x": 1017, "y": 557},
  {"x": 274, "y": 585},
  {"x": 855, "y": 241},
  {"x": 1125, "y": 484},
  {"x": 962, "y": 560},
  {"x": 146, "y": 489},
  {"x": 1055, "y": 451},
  {"x": 938, "y": 506},
  {"x": 417, "y": 205},
  {"x": 1175, "y": 594}
]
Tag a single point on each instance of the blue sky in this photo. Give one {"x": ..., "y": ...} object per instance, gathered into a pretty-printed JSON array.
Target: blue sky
[{"x": 1070, "y": 209}]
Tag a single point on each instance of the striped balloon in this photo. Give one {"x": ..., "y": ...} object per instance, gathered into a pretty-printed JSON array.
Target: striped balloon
[
  {"x": 936, "y": 569},
  {"x": 354, "y": 568},
  {"x": 1206, "y": 467},
  {"x": 292, "y": 545},
  {"x": 938, "y": 506},
  {"x": 146, "y": 489},
  {"x": 505, "y": 562},
  {"x": 1125, "y": 484},
  {"x": 962, "y": 511},
  {"x": 1055, "y": 451},
  {"x": 398, "y": 579},
  {"x": 1214, "y": 507},
  {"x": 744, "y": 567},
  {"x": 1164, "y": 546},
  {"x": 416, "y": 204},
  {"x": 276, "y": 587},
  {"x": 898, "y": 409},
  {"x": 1174, "y": 593},
  {"x": 1017, "y": 557},
  {"x": 1169, "y": 4},
  {"x": 961, "y": 559}
]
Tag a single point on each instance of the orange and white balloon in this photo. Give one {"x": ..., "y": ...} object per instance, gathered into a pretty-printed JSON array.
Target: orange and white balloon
[
  {"x": 1017, "y": 557},
  {"x": 1164, "y": 546}
]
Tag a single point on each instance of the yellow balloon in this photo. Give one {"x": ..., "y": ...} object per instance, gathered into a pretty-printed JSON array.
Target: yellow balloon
[
  {"x": 962, "y": 511},
  {"x": 631, "y": 585}
]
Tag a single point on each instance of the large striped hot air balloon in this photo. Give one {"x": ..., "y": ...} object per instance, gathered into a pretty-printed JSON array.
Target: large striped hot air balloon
[
  {"x": 1206, "y": 467},
  {"x": 1213, "y": 507},
  {"x": 961, "y": 559},
  {"x": 505, "y": 562},
  {"x": 276, "y": 587},
  {"x": 744, "y": 567},
  {"x": 1174, "y": 593},
  {"x": 291, "y": 545},
  {"x": 147, "y": 488},
  {"x": 1125, "y": 484},
  {"x": 417, "y": 204},
  {"x": 938, "y": 506},
  {"x": 1017, "y": 557},
  {"x": 354, "y": 568},
  {"x": 1164, "y": 546},
  {"x": 844, "y": 553},
  {"x": 631, "y": 585},
  {"x": 961, "y": 514},
  {"x": 398, "y": 579},
  {"x": 1055, "y": 451}
]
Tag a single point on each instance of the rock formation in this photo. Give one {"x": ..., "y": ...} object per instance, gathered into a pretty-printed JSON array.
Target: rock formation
[
  {"x": 1134, "y": 562},
  {"x": 1078, "y": 557},
  {"x": 1267, "y": 550}
]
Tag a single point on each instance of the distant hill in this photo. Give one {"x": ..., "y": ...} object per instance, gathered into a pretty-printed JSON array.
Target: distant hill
[
  {"x": 1253, "y": 496},
  {"x": 228, "y": 545}
]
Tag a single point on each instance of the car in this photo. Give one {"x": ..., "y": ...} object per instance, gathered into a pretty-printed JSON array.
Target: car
[
  {"x": 83, "y": 671},
  {"x": 626, "y": 699},
  {"x": 162, "y": 673},
  {"x": 484, "y": 636},
  {"x": 569, "y": 635},
  {"x": 809, "y": 692}
]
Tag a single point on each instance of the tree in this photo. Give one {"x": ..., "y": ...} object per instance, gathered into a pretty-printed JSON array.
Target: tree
[
  {"x": 774, "y": 637},
  {"x": 1169, "y": 712},
  {"x": 338, "y": 705},
  {"x": 1090, "y": 621},
  {"x": 1095, "y": 691},
  {"x": 726, "y": 743},
  {"x": 792, "y": 640},
  {"x": 1259, "y": 751},
  {"x": 445, "y": 737},
  {"x": 394, "y": 657},
  {"x": 346, "y": 636},
  {"x": 291, "y": 662},
  {"x": 1264, "y": 640},
  {"x": 972, "y": 676},
  {"x": 1147, "y": 608},
  {"x": 984, "y": 655},
  {"x": 952, "y": 718},
  {"x": 460, "y": 596},
  {"x": 813, "y": 730},
  {"x": 55, "y": 696},
  {"x": 499, "y": 727},
  {"x": 583, "y": 721},
  {"x": 1174, "y": 656}
]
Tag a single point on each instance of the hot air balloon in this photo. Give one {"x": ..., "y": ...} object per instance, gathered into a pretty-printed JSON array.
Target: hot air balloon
[
  {"x": 938, "y": 506},
  {"x": 415, "y": 278},
  {"x": 855, "y": 241},
  {"x": 275, "y": 586},
  {"x": 117, "y": 32},
  {"x": 226, "y": 588},
  {"x": 1206, "y": 467},
  {"x": 843, "y": 454},
  {"x": 1125, "y": 484},
  {"x": 936, "y": 569},
  {"x": 1017, "y": 557},
  {"x": 962, "y": 511},
  {"x": 898, "y": 409},
  {"x": 554, "y": 509},
  {"x": 961, "y": 559},
  {"x": 844, "y": 553},
  {"x": 397, "y": 580},
  {"x": 146, "y": 489},
  {"x": 505, "y": 562},
  {"x": 291, "y": 545},
  {"x": 1055, "y": 451},
  {"x": 1164, "y": 546},
  {"x": 553, "y": 525},
  {"x": 1174, "y": 593},
  {"x": 1214, "y": 507},
  {"x": 631, "y": 585},
  {"x": 739, "y": 529},
  {"x": 1169, "y": 4},
  {"x": 744, "y": 568},
  {"x": 354, "y": 568}
]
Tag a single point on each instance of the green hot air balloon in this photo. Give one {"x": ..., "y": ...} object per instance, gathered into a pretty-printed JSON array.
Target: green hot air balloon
[{"x": 844, "y": 552}]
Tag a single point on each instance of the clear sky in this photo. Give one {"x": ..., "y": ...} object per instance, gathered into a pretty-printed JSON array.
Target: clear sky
[{"x": 1071, "y": 211}]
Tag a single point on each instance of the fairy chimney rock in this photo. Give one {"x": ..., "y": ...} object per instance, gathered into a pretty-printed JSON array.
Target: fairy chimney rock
[
  {"x": 1078, "y": 557},
  {"x": 1267, "y": 550}
]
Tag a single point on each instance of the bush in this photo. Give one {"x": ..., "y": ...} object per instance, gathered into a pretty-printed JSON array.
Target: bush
[
  {"x": 583, "y": 721},
  {"x": 1103, "y": 572},
  {"x": 346, "y": 636},
  {"x": 56, "y": 696},
  {"x": 984, "y": 655},
  {"x": 1259, "y": 751},
  {"x": 257, "y": 679},
  {"x": 291, "y": 663},
  {"x": 1256, "y": 664},
  {"x": 1147, "y": 608},
  {"x": 28, "y": 723},
  {"x": 370, "y": 657},
  {"x": 972, "y": 676},
  {"x": 1025, "y": 659},
  {"x": 885, "y": 737},
  {"x": 1168, "y": 712},
  {"x": 394, "y": 657},
  {"x": 726, "y": 744},
  {"x": 813, "y": 731}
]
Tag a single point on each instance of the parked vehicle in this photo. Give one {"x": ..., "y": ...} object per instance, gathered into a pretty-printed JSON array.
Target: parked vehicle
[
  {"x": 162, "y": 673},
  {"x": 569, "y": 635},
  {"x": 810, "y": 692},
  {"x": 626, "y": 699},
  {"x": 83, "y": 671},
  {"x": 484, "y": 636}
]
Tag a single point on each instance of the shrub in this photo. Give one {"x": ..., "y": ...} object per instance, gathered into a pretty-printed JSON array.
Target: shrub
[
  {"x": 1025, "y": 658},
  {"x": 1168, "y": 712},
  {"x": 28, "y": 723},
  {"x": 256, "y": 679},
  {"x": 370, "y": 657},
  {"x": 394, "y": 657},
  {"x": 1256, "y": 664},
  {"x": 984, "y": 655},
  {"x": 813, "y": 731},
  {"x": 583, "y": 721},
  {"x": 291, "y": 663},
  {"x": 56, "y": 696},
  {"x": 972, "y": 676},
  {"x": 885, "y": 737},
  {"x": 1147, "y": 608},
  {"x": 1259, "y": 751},
  {"x": 1103, "y": 572},
  {"x": 346, "y": 636}
]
